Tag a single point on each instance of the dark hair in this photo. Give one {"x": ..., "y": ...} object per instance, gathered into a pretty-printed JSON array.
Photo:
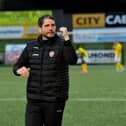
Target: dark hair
[{"x": 41, "y": 19}]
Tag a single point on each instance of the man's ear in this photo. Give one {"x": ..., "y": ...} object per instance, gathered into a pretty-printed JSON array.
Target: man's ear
[{"x": 39, "y": 29}]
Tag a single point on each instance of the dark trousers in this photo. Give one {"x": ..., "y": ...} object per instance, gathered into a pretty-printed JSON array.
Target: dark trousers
[{"x": 44, "y": 113}]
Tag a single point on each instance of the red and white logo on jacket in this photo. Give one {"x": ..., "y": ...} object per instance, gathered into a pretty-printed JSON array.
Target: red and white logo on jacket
[{"x": 51, "y": 54}]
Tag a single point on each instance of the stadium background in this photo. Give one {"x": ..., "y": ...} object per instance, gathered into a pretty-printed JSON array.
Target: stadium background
[
  {"x": 65, "y": 9},
  {"x": 112, "y": 24}
]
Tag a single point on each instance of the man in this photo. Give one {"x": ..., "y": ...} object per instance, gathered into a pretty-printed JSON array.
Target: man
[
  {"x": 84, "y": 58},
  {"x": 117, "y": 46},
  {"x": 45, "y": 63}
]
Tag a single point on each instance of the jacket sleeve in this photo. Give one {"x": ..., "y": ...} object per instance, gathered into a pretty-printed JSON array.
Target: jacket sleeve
[
  {"x": 69, "y": 53},
  {"x": 22, "y": 61}
]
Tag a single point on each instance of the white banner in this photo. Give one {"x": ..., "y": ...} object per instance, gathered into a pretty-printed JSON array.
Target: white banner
[
  {"x": 11, "y": 32},
  {"x": 99, "y": 35},
  {"x": 99, "y": 56},
  {"x": 12, "y": 52}
]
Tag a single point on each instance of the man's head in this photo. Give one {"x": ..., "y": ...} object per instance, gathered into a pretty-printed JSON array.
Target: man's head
[{"x": 47, "y": 26}]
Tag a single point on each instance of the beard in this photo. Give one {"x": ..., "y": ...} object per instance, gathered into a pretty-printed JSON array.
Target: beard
[{"x": 46, "y": 37}]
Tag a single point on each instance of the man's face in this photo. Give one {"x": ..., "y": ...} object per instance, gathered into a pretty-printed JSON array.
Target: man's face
[{"x": 48, "y": 29}]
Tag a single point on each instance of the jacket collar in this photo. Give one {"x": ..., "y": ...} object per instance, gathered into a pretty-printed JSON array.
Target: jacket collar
[{"x": 46, "y": 42}]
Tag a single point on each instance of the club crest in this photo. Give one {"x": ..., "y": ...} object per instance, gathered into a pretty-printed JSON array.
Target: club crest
[{"x": 51, "y": 54}]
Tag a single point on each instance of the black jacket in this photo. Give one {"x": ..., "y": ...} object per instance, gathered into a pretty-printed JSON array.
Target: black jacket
[{"x": 48, "y": 62}]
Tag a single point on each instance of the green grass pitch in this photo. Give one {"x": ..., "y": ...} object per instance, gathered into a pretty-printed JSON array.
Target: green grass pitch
[{"x": 95, "y": 99}]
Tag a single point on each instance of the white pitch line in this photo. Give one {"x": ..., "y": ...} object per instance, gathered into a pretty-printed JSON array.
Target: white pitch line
[
  {"x": 99, "y": 99},
  {"x": 73, "y": 99},
  {"x": 12, "y": 99}
]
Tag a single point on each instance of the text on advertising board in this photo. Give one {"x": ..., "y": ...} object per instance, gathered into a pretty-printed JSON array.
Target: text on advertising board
[{"x": 88, "y": 20}]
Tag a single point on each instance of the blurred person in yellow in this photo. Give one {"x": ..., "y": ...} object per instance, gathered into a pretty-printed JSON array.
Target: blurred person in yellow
[
  {"x": 117, "y": 46},
  {"x": 84, "y": 59}
]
